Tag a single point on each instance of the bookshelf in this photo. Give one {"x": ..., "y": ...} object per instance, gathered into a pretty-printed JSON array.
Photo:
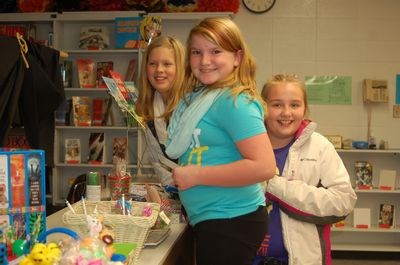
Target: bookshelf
[
  {"x": 67, "y": 28},
  {"x": 64, "y": 31},
  {"x": 374, "y": 238}
]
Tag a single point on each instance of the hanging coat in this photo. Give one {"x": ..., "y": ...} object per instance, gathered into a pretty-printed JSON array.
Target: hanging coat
[{"x": 29, "y": 96}]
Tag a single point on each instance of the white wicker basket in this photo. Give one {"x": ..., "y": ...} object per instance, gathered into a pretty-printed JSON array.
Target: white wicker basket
[{"x": 132, "y": 228}]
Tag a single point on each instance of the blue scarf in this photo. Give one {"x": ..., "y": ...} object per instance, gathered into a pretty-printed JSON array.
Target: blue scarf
[{"x": 185, "y": 118}]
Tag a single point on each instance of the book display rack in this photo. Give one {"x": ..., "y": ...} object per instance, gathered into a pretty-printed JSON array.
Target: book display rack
[
  {"x": 92, "y": 36},
  {"x": 374, "y": 224}
]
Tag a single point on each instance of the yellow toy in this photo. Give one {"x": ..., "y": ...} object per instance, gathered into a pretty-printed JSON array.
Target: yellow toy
[{"x": 42, "y": 255}]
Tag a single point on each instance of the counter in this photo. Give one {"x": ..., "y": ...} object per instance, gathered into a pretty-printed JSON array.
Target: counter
[{"x": 176, "y": 249}]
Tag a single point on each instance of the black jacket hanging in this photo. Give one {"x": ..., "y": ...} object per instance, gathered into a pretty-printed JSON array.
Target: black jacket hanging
[{"x": 31, "y": 94}]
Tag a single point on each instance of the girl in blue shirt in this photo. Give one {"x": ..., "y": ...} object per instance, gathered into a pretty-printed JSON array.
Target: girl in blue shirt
[{"x": 217, "y": 132}]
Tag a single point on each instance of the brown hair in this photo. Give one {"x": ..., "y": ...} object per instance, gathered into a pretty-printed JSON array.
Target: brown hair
[
  {"x": 144, "y": 104},
  {"x": 227, "y": 35}
]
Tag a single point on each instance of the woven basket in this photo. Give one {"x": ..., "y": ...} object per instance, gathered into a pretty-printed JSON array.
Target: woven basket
[{"x": 132, "y": 228}]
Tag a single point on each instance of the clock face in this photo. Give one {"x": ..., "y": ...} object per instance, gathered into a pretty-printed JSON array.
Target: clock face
[{"x": 258, "y": 6}]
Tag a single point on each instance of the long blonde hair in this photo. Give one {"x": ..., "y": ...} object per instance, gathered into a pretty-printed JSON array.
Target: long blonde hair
[
  {"x": 227, "y": 35},
  {"x": 286, "y": 78},
  {"x": 144, "y": 104}
]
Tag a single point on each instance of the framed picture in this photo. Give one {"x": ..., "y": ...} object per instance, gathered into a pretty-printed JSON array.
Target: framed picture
[{"x": 336, "y": 140}]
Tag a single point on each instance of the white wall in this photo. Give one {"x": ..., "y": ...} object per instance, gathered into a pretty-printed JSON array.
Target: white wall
[{"x": 358, "y": 38}]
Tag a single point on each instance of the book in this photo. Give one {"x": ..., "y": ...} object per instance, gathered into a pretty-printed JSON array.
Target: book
[
  {"x": 128, "y": 94},
  {"x": 386, "y": 215},
  {"x": 127, "y": 32},
  {"x": 17, "y": 173},
  {"x": 108, "y": 112},
  {"x": 60, "y": 115},
  {"x": 363, "y": 173},
  {"x": 387, "y": 179},
  {"x": 81, "y": 110},
  {"x": 131, "y": 70},
  {"x": 96, "y": 148},
  {"x": 22, "y": 195},
  {"x": 66, "y": 73},
  {"x": 17, "y": 139},
  {"x": 103, "y": 69},
  {"x": 120, "y": 149},
  {"x": 98, "y": 111},
  {"x": 94, "y": 38},
  {"x": 72, "y": 151},
  {"x": 86, "y": 72},
  {"x": 68, "y": 112},
  {"x": 362, "y": 217}
]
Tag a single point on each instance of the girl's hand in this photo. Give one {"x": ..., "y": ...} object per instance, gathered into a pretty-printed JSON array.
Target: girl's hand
[{"x": 186, "y": 177}]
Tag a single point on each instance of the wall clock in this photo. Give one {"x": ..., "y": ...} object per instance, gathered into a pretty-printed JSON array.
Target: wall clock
[{"x": 258, "y": 6}]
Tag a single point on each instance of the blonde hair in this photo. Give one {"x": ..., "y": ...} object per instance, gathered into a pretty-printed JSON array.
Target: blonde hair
[
  {"x": 144, "y": 104},
  {"x": 226, "y": 34},
  {"x": 285, "y": 78}
]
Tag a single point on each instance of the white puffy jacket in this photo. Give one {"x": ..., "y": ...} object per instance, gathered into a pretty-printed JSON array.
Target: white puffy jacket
[{"x": 313, "y": 192}]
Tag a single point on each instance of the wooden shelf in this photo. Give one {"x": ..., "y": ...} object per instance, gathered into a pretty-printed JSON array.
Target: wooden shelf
[
  {"x": 373, "y": 229},
  {"x": 83, "y": 165},
  {"x": 28, "y": 17},
  {"x": 102, "y": 51},
  {"x": 366, "y": 247},
  {"x": 96, "y": 16},
  {"x": 349, "y": 238},
  {"x": 376, "y": 190},
  {"x": 372, "y": 151}
]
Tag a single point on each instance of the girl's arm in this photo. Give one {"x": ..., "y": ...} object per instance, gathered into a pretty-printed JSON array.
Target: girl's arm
[{"x": 257, "y": 165}]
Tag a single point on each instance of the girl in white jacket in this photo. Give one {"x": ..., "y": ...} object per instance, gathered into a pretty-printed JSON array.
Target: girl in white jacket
[{"x": 313, "y": 190}]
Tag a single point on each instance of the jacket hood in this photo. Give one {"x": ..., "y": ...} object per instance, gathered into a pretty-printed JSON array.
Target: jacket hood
[{"x": 304, "y": 132}]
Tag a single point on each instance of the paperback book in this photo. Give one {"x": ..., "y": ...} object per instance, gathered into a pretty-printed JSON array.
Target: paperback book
[
  {"x": 124, "y": 95},
  {"x": 60, "y": 114},
  {"x": 387, "y": 179},
  {"x": 94, "y": 38},
  {"x": 86, "y": 73},
  {"x": 103, "y": 69},
  {"x": 120, "y": 149},
  {"x": 81, "y": 110},
  {"x": 96, "y": 148},
  {"x": 107, "y": 118},
  {"x": 72, "y": 151},
  {"x": 68, "y": 112},
  {"x": 362, "y": 217},
  {"x": 98, "y": 111},
  {"x": 386, "y": 215},
  {"x": 131, "y": 70},
  {"x": 17, "y": 139},
  {"x": 127, "y": 32},
  {"x": 363, "y": 172}
]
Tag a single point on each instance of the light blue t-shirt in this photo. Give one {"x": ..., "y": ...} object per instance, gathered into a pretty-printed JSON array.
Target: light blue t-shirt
[{"x": 213, "y": 143}]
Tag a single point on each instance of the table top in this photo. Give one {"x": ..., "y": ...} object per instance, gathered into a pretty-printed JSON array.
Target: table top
[{"x": 149, "y": 255}]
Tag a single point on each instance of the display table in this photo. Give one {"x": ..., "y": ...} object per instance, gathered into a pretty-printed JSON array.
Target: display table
[{"x": 177, "y": 248}]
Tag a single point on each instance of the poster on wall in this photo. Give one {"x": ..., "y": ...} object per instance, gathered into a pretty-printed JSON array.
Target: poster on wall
[
  {"x": 397, "y": 89},
  {"x": 328, "y": 90}
]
